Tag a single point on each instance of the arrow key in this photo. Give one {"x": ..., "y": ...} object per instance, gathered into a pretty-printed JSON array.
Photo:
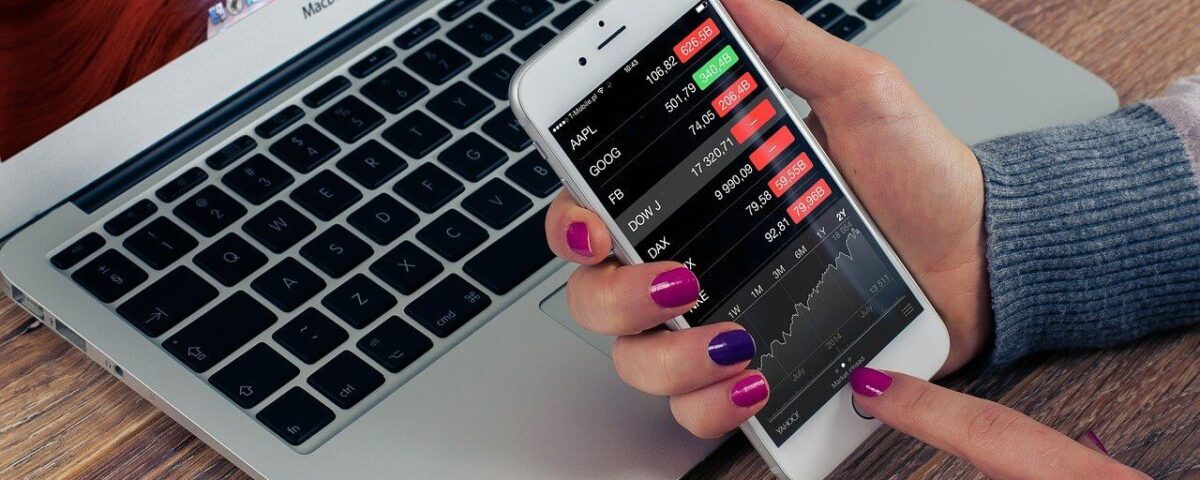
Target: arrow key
[{"x": 254, "y": 376}]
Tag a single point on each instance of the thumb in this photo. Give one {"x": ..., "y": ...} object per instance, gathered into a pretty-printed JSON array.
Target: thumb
[{"x": 1000, "y": 441}]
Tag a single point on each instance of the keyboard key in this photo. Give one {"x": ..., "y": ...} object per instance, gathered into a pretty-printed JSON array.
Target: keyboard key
[
  {"x": 304, "y": 148},
  {"x": 567, "y": 17},
  {"x": 448, "y": 305},
  {"x": 346, "y": 380},
  {"x": 848, "y": 27},
  {"x": 480, "y": 35},
  {"x": 827, "y": 15},
  {"x": 371, "y": 164},
  {"x": 497, "y": 203},
  {"x": 372, "y": 62},
  {"x": 326, "y": 92},
  {"x": 359, "y": 301},
  {"x": 109, "y": 276},
  {"x": 418, "y": 32},
  {"x": 219, "y": 332},
  {"x": 534, "y": 175},
  {"x": 527, "y": 47},
  {"x": 131, "y": 217},
  {"x": 383, "y": 219},
  {"x": 279, "y": 227},
  {"x": 521, "y": 13},
  {"x": 295, "y": 416},
  {"x": 876, "y": 9},
  {"x": 254, "y": 376},
  {"x": 406, "y": 268},
  {"x": 165, "y": 303},
  {"x": 181, "y": 184},
  {"x": 393, "y": 90},
  {"x": 230, "y": 260},
  {"x": 350, "y": 119},
  {"x": 437, "y": 62},
  {"x": 505, "y": 128},
  {"x": 279, "y": 121},
  {"x": 326, "y": 195},
  {"x": 76, "y": 252},
  {"x": 801, "y": 6},
  {"x": 310, "y": 336},
  {"x": 429, "y": 187},
  {"x": 257, "y": 179},
  {"x": 495, "y": 75},
  {"x": 209, "y": 211},
  {"x": 452, "y": 235},
  {"x": 337, "y": 251},
  {"x": 472, "y": 157},
  {"x": 513, "y": 258},
  {"x": 457, "y": 8},
  {"x": 160, "y": 243},
  {"x": 460, "y": 105},
  {"x": 395, "y": 344},
  {"x": 416, "y": 134},
  {"x": 288, "y": 284},
  {"x": 232, "y": 152}
]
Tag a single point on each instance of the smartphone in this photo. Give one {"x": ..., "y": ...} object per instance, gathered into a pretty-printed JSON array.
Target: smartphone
[{"x": 660, "y": 117}]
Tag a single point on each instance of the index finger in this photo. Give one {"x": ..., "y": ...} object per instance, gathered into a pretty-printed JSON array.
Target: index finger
[
  {"x": 1000, "y": 441},
  {"x": 575, "y": 233}
]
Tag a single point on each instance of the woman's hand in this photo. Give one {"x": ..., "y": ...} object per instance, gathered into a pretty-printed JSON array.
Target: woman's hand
[
  {"x": 998, "y": 440},
  {"x": 923, "y": 187}
]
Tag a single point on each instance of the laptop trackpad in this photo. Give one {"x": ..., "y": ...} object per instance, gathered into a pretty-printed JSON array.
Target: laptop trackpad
[{"x": 555, "y": 306}]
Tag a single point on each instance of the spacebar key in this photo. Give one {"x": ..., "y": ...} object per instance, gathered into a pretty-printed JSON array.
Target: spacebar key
[{"x": 514, "y": 257}]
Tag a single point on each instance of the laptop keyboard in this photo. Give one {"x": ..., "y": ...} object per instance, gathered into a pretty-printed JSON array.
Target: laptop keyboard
[{"x": 276, "y": 274}]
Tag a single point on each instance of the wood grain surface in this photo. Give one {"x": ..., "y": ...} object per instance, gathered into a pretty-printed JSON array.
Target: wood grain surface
[{"x": 63, "y": 417}]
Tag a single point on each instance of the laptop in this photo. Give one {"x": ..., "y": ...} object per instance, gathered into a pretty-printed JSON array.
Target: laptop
[{"x": 315, "y": 239}]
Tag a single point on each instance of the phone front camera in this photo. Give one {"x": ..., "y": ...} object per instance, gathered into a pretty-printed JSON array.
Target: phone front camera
[
  {"x": 582, "y": 61},
  {"x": 602, "y": 23}
]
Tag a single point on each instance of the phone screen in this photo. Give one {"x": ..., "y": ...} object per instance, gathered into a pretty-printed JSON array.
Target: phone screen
[{"x": 698, "y": 163}]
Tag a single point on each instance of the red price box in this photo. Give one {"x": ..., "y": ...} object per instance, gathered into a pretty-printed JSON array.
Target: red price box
[
  {"x": 694, "y": 43},
  {"x": 733, "y": 96},
  {"x": 811, "y": 199},
  {"x": 749, "y": 125},
  {"x": 791, "y": 174},
  {"x": 772, "y": 148}
]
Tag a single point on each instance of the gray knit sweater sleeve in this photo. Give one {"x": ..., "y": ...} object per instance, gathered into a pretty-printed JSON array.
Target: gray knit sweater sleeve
[{"x": 1094, "y": 229}]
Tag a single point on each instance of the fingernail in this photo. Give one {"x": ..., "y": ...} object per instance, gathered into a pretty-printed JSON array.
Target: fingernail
[
  {"x": 1091, "y": 437},
  {"x": 731, "y": 348},
  {"x": 675, "y": 288},
  {"x": 578, "y": 239},
  {"x": 748, "y": 391},
  {"x": 869, "y": 382}
]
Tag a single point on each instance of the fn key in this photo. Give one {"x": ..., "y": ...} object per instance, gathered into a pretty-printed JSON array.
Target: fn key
[{"x": 296, "y": 416}]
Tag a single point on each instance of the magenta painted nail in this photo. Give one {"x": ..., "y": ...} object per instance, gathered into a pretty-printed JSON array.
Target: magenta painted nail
[
  {"x": 869, "y": 382},
  {"x": 748, "y": 391},
  {"x": 675, "y": 288},
  {"x": 578, "y": 239},
  {"x": 1091, "y": 437}
]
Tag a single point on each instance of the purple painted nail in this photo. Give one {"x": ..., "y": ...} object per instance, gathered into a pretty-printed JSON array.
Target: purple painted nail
[
  {"x": 675, "y": 288},
  {"x": 869, "y": 382},
  {"x": 748, "y": 391},
  {"x": 578, "y": 239},
  {"x": 731, "y": 348},
  {"x": 1091, "y": 437}
]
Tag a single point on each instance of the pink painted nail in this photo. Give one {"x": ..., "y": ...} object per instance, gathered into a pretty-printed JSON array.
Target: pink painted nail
[
  {"x": 675, "y": 288},
  {"x": 1091, "y": 437},
  {"x": 869, "y": 382},
  {"x": 748, "y": 391},
  {"x": 578, "y": 239}
]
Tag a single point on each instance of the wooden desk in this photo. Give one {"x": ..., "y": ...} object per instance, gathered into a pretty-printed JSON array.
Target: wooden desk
[{"x": 61, "y": 416}]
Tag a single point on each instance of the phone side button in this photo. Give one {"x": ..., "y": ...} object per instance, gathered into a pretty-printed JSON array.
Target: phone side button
[{"x": 854, "y": 406}]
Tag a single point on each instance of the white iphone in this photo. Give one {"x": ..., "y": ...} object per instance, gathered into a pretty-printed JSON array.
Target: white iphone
[{"x": 659, "y": 116}]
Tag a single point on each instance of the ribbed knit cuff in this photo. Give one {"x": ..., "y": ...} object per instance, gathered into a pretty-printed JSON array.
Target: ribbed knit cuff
[{"x": 1093, "y": 234}]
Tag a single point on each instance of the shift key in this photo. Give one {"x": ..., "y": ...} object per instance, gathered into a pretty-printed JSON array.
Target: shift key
[{"x": 221, "y": 331}]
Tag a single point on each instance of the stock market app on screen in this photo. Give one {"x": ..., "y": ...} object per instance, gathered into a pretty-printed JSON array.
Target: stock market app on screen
[{"x": 697, "y": 161}]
